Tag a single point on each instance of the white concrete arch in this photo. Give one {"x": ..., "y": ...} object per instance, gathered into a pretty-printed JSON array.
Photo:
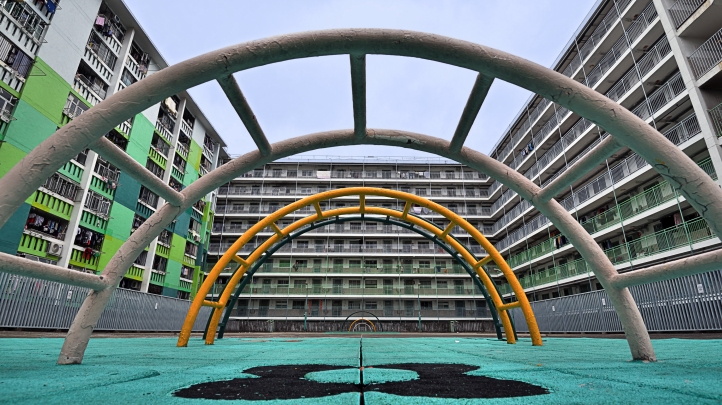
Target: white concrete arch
[{"x": 626, "y": 129}]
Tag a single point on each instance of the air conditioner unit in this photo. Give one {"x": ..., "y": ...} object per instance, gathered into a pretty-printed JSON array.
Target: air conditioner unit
[
  {"x": 55, "y": 249},
  {"x": 116, "y": 18}
]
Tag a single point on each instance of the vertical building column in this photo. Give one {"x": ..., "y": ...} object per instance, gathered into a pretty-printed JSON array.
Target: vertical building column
[
  {"x": 166, "y": 179},
  {"x": 122, "y": 56},
  {"x": 77, "y": 213},
  {"x": 680, "y": 50}
]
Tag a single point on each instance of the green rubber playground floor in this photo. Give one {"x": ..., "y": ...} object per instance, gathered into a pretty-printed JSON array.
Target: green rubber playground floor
[{"x": 147, "y": 370}]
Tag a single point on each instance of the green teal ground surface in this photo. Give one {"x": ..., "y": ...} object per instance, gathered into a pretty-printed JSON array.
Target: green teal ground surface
[{"x": 148, "y": 370}]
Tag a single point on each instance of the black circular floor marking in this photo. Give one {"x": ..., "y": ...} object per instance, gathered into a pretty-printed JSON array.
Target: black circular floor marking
[
  {"x": 275, "y": 382},
  {"x": 287, "y": 382},
  {"x": 450, "y": 381}
]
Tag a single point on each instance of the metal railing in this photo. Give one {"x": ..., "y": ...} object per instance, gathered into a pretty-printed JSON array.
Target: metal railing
[
  {"x": 31, "y": 303},
  {"x": 380, "y": 310},
  {"x": 716, "y": 115},
  {"x": 679, "y": 236},
  {"x": 707, "y": 56},
  {"x": 681, "y": 10},
  {"x": 677, "y": 134},
  {"x": 691, "y": 303}
]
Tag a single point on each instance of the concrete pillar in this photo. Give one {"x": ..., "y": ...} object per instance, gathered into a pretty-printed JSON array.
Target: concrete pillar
[
  {"x": 122, "y": 56},
  {"x": 77, "y": 213},
  {"x": 681, "y": 48},
  {"x": 166, "y": 179}
]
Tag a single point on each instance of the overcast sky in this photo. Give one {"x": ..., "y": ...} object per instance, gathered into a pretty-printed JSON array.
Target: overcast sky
[{"x": 310, "y": 95}]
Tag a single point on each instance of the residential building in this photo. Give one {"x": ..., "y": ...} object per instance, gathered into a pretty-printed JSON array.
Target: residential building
[
  {"x": 661, "y": 59},
  {"x": 58, "y": 59}
]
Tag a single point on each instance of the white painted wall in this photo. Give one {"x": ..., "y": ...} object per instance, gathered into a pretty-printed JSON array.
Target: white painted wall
[{"x": 67, "y": 36}]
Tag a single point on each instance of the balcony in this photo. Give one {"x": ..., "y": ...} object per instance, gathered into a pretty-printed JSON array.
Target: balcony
[
  {"x": 648, "y": 247},
  {"x": 678, "y": 134},
  {"x": 92, "y": 92},
  {"x": 136, "y": 69},
  {"x": 182, "y": 150},
  {"x": 681, "y": 10},
  {"x": 706, "y": 61}
]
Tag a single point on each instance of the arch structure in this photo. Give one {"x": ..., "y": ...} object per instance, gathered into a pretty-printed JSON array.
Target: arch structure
[
  {"x": 368, "y": 218},
  {"x": 361, "y": 318},
  {"x": 625, "y": 129},
  {"x": 441, "y": 235}
]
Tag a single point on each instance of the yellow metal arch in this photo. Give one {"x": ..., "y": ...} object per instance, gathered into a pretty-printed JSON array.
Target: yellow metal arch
[
  {"x": 350, "y": 327},
  {"x": 314, "y": 200}
]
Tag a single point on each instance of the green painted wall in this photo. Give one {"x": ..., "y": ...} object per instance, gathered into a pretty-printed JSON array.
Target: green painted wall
[
  {"x": 121, "y": 222},
  {"x": 12, "y": 231},
  {"x": 30, "y": 128},
  {"x": 9, "y": 157},
  {"x": 46, "y": 92},
  {"x": 127, "y": 191},
  {"x": 141, "y": 136}
]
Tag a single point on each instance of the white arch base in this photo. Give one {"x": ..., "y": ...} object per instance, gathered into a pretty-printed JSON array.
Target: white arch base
[{"x": 627, "y": 129}]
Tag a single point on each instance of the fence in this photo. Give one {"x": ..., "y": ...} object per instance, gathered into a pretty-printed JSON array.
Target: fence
[
  {"x": 692, "y": 303},
  {"x": 31, "y": 303}
]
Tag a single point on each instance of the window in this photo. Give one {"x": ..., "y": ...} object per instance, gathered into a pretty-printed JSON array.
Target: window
[
  {"x": 63, "y": 186},
  {"x": 98, "y": 204},
  {"x": 299, "y": 283},
  {"x": 307, "y": 173},
  {"x": 186, "y": 272},
  {"x": 148, "y": 197},
  {"x": 424, "y": 264},
  {"x": 101, "y": 50},
  {"x": 127, "y": 78},
  {"x": 27, "y": 17},
  {"x": 354, "y": 263},
  {"x": 354, "y": 284},
  {"x": 443, "y": 305},
  {"x": 73, "y": 106},
  {"x": 160, "y": 263},
  {"x": 302, "y": 244},
  {"x": 426, "y": 305},
  {"x": 354, "y": 305},
  {"x": 442, "y": 284},
  {"x": 425, "y": 283},
  {"x": 298, "y": 304},
  {"x": 371, "y": 305},
  {"x": 281, "y": 304},
  {"x": 370, "y": 283}
]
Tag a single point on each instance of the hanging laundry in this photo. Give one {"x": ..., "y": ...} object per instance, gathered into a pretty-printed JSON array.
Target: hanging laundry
[
  {"x": 100, "y": 20},
  {"x": 50, "y": 4}
]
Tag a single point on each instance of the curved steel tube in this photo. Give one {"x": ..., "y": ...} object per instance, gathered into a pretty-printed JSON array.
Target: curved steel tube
[
  {"x": 25, "y": 177},
  {"x": 409, "y": 199},
  {"x": 336, "y": 220}
]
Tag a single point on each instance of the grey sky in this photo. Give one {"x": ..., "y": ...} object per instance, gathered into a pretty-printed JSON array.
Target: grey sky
[{"x": 304, "y": 96}]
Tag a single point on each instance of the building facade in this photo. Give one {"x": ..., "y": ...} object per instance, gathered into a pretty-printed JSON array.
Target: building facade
[
  {"x": 661, "y": 59},
  {"x": 58, "y": 59}
]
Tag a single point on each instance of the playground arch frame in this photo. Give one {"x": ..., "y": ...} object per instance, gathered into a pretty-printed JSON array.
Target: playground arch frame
[
  {"x": 625, "y": 129},
  {"x": 440, "y": 235},
  {"x": 340, "y": 219}
]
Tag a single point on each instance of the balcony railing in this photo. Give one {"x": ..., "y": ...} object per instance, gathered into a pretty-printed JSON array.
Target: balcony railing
[
  {"x": 182, "y": 150},
  {"x": 677, "y": 134},
  {"x": 716, "y": 115},
  {"x": 681, "y": 10},
  {"x": 380, "y": 312},
  {"x": 91, "y": 92},
  {"x": 707, "y": 56},
  {"x": 648, "y": 246}
]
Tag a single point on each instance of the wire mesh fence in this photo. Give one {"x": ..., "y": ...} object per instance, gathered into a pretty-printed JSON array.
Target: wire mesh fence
[
  {"x": 692, "y": 303},
  {"x": 31, "y": 303}
]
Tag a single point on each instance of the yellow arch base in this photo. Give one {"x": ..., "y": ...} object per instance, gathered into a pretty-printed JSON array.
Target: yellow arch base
[
  {"x": 362, "y": 192},
  {"x": 350, "y": 327}
]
